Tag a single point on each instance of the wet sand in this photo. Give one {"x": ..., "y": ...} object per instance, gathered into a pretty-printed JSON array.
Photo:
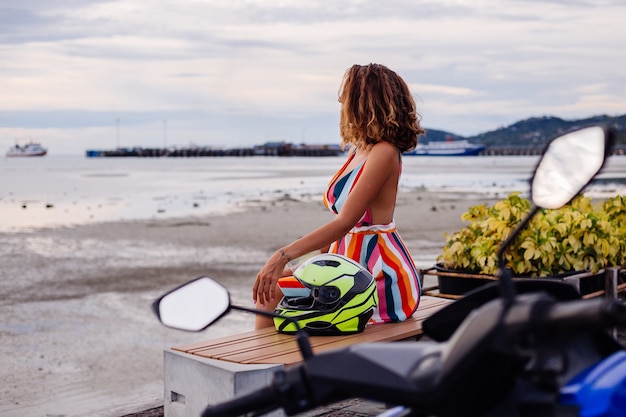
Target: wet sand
[{"x": 78, "y": 336}]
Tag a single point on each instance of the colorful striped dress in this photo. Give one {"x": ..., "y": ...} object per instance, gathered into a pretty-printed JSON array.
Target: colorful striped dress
[{"x": 379, "y": 248}]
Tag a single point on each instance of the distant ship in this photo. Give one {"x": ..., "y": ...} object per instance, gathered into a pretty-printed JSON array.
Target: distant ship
[
  {"x": 447, "y": 148},
  {"x": 30, "y": 149}
]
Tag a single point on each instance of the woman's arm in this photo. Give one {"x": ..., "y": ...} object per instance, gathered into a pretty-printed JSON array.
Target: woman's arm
[{"x": 382, "y": 163}]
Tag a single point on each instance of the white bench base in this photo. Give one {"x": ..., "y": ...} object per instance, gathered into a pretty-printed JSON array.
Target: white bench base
[{"x": 192, "y": 382}]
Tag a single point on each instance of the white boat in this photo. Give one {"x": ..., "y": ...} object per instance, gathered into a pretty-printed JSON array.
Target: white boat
[
  {"x": 30, "y": 149},
  {"x": 447, "y": 148}
]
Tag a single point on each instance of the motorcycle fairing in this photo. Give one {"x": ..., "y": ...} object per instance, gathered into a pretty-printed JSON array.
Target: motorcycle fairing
[{"x": 599, "y": 391}]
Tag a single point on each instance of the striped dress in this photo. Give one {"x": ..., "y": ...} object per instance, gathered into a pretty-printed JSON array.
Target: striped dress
[{"x": 379, "y": 248}]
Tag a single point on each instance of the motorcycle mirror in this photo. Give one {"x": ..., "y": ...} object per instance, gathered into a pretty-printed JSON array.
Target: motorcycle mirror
[
  {"x": 193, "y": 306},
  {"x": 567, "y": 165},
  {"x": 199, "y": 303}
]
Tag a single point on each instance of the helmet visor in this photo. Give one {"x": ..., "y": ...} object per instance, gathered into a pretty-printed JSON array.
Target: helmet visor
[{"x": 326, "y": 294}]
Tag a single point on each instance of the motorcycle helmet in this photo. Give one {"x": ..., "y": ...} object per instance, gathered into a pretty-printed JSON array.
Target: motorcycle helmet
[{"x": 329, "y": 294}]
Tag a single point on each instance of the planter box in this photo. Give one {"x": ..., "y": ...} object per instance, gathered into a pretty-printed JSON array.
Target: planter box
[{"x": 458, "y": 283}]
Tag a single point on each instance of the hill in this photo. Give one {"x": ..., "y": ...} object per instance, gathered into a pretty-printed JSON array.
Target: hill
[{"x": 532, "y": 132}]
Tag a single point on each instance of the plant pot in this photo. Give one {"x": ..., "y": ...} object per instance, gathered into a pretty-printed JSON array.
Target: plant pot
[
  {"x": 459, "y": 283},
  {"x": 592, "y": 283},
  {"x": 455, "y": 282}
]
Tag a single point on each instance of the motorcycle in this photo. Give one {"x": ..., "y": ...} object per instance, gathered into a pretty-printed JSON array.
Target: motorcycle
[{"x": 515, "y": 348}]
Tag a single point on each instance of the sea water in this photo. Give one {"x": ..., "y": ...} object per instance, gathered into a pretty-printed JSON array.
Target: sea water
[
  {"x": 58, "y": 190},
  {"x": 69, "y": 190}
]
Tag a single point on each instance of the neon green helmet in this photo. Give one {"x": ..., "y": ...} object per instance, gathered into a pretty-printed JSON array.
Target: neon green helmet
[{"x": 339, "y": 297}]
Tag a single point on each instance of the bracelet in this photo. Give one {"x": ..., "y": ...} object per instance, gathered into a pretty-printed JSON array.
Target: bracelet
[{"x": 284, "y": 255}]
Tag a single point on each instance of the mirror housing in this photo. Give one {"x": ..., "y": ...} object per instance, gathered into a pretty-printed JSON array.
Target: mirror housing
[
  {"x": 199, "y": 303},
  {"x": 568, "y": 164},
  {"x": 193, "y": 306},
  {"x": 566, "y": 167}
]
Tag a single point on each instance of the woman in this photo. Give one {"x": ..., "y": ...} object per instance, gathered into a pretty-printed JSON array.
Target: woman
[{"x": 379, "y": 121}]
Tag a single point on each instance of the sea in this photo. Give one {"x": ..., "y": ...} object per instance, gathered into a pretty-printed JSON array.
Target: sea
[
  {"x": 60, "y": 357},
  {"x": 65, "y": 190}
]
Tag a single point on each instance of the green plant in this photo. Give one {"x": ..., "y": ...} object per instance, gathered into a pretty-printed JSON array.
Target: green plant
[{"x": 576, "y": 237}]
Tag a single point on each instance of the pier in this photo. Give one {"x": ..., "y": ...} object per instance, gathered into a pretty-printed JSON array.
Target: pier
[{"x": 268, "y": 149}]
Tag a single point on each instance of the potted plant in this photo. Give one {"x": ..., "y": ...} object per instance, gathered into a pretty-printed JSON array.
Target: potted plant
[{"x": 578, "y": 238}]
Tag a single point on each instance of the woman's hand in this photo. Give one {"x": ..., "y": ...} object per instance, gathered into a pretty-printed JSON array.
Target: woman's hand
[{"x": 264, "y": 288}]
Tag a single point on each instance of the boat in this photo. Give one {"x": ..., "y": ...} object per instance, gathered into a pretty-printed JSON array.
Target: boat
[
  {"x": 30, "y": 149},
  {"x": 447, "y": 148}
]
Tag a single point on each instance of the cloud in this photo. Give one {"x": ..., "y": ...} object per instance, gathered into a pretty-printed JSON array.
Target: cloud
[{"x": 472, "y": 65}]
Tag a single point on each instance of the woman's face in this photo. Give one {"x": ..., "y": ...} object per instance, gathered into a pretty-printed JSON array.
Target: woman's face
[
  {"x": 343, "y": 88},
  {"x": 340, "y": 94}
]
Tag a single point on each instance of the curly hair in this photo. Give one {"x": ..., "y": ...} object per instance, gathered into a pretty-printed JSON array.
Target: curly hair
[{"x": 377, "y": 106}]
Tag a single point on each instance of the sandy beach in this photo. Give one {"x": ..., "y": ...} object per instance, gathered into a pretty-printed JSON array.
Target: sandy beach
[{"x": 84, "y": 342}]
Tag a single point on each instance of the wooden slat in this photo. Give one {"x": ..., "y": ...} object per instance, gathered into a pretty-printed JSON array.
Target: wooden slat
[
  {"x": 239, "y": 346},
  {"x": 441, "y": 295},
  {"x": 270, "y": 347},
  {"x": 236, "y": 338}
]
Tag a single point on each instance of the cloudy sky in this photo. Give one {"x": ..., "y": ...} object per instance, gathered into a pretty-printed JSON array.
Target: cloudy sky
[{"x": 78, "y": 74}]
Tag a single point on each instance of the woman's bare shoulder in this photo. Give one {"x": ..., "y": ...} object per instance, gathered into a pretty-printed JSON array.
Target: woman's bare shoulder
[{"x": 384, "y": 150}]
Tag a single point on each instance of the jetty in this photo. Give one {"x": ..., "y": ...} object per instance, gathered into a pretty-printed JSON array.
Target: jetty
[{"x": 267, "y": 149}]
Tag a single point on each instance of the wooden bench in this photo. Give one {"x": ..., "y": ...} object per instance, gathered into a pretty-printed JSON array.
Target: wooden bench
[{"x": 212, "y": 371}]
